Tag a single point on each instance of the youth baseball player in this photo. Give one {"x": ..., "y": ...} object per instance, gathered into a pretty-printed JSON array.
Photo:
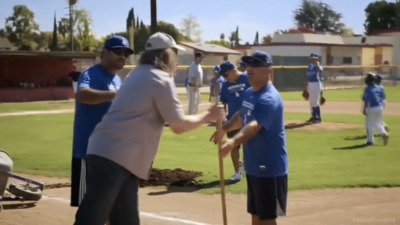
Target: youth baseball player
[
  {"x": 373, "y": 99},
  {"x": 314, "y": 87}
]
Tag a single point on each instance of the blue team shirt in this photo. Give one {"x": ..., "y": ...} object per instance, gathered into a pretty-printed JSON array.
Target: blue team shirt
[
  {"x": 268, "y": 147},
  {"x": 232, "y": 94},
  {"x": 374, "y": 96},
  {"x": 88, "y": 116},
  {"x": 313, "y": 74},
  {"x": 219, "y": 79}
]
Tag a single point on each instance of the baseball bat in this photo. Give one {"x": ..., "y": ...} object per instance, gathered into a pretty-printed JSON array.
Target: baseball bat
[{"x": 221, "y": 174}]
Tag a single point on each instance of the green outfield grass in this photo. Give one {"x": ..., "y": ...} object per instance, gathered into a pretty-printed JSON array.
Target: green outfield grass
[
  {"x": 41, "y": 144},
  {"x": 353, "y": 94},
  {"x": 392, "y": 94}
]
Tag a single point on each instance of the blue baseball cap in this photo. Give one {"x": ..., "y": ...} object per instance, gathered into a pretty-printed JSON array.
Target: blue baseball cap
[
  {"x": 242, "y": 63},
  {"x": 225, "y": 67},
  {"x": 116, "y": 41},
  {"x": 258, "y": 56},
  {"x": 314, "y": 55},
  {"x": 216, "y": 69}
]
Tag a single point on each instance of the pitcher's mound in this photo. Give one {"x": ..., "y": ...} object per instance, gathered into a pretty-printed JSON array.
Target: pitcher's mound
[{"x": 304, "y": 125}]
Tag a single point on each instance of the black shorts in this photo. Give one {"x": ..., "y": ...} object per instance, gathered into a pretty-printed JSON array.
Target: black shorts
[
  {"x": 78, "y": 180},
  {"x": 266, "y": 197},
  {"x": 231, "y": 134}
]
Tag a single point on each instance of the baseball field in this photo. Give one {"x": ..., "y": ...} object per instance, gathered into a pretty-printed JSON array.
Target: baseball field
[{"x": 333, "y": 177}]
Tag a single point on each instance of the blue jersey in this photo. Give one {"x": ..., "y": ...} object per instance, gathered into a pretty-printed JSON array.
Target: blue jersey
[
  {"x": 220, "y": 80},
  {"x": 88, "y": 116},
  {"x": 313, "y": 74},
  {"x": 264, "y": 154},
  {"x": 374, "y": 96},
  {"x": 232, "y": 94}
]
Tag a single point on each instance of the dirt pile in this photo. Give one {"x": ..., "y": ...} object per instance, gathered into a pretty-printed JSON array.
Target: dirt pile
[{"x": 166, "y": 177}]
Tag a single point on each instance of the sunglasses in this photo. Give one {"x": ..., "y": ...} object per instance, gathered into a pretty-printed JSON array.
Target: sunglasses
[{"x": 120, "y": 52}]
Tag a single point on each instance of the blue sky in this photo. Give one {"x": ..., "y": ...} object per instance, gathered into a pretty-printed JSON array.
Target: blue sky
[{"x": 214, "y": 16}]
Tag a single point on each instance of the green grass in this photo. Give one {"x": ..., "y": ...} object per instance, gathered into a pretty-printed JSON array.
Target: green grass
[
  {"x": 392, "y": 95},
  {"x": 40, "y": 105},
  {"x": 41, "y": 144},
  {"x": 353, "y": 94}
]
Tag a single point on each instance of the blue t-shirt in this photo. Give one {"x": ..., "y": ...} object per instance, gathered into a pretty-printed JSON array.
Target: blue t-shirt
[
  {"x": 232, "y": 94},
  {"x": 267, "y": 148},
  {"x": 220, "y": 81},
  {"x": 313, "y": 74},
  {"x": 88, "y": 116},
  {"x": 374, "y": 96}
]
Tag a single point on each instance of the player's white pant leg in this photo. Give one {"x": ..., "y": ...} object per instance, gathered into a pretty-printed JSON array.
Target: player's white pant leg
[
  {"x": 374, "y": 121},
  {"x": 314, "y": 88}
]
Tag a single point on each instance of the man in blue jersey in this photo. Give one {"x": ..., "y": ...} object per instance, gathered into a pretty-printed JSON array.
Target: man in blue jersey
[
  {"x": 215, "y": 85},
  {"x": 314, "y": 87},
  {"x": 374, "y": 98},
  {"x": 264, "y": 144},
  {"x": 232, "y": 96},
  {"x": 96, "y": 88}
]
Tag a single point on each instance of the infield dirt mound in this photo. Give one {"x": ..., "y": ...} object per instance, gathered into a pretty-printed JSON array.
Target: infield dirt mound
[{"x": 304, "y": 125}]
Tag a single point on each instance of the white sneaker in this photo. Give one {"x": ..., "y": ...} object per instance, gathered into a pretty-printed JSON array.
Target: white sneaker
[{"x": 236, "y": 176}]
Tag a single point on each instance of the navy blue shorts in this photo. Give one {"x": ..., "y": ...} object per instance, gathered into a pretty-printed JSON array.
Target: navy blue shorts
[{"x": 266, "y": 197}]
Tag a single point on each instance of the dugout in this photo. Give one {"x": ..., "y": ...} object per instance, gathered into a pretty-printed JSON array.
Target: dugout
[{"x": 37, "y": 76}]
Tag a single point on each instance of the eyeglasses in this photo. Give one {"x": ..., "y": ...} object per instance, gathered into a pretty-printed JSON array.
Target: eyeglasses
[{"x": 120, "y": 52}]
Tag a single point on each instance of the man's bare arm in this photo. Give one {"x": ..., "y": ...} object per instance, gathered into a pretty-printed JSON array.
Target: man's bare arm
[{"x": 91, "y": 96}]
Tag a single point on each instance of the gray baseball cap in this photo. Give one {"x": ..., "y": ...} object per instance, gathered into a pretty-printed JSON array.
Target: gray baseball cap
[{"x": 161, "y": 40}]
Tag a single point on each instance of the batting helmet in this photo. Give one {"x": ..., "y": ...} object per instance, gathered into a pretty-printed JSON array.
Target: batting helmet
[{"x": 369, "y": 79}]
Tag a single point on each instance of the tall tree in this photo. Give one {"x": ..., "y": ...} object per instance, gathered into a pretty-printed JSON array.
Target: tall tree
[
  {"x": 256, "y": 39},
  {"x": 237, "y": 39},
  {"x": 54, "y": 39},
  {"x": 63, "y": 27},
  {"x": 267, "y": 39},
  {"x": 190, "y": 28},
  {"x": 21, "y": 27},
  {"x": 222, "y": 36},
  {"x": 130, "y": 21},
  {"x": 382, "y": 15},
  {"x": 84, "y": 34},
  {"x": 318, "y": 16}
]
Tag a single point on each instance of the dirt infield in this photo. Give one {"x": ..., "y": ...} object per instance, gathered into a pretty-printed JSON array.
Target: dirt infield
[
  {"x": 176, "y": 205},
  {"x": 180, "y": 205}
]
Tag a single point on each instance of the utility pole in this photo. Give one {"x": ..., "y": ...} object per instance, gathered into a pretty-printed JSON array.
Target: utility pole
[
  {"x": 71, "y": 32},
  {"x": 153, "y": 26}
]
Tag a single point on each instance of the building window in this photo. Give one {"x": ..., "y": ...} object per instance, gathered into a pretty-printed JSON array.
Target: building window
[{"x": 347, "y": 60}]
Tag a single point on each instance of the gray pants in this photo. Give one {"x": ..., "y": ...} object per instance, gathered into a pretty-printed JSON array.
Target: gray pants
[
  {"x": 112, "y": 193},
  {"x": 193, "y": 99}
]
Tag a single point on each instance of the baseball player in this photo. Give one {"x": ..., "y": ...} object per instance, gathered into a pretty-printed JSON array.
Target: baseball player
[
  {"x": 378, "y": 82},
  {"x": 195, "y": 80},
  {"x": 215, "y": 85},
  {"x": 373, "y": 99},
  {"x": 314, "y": 87},
  {"x": 260, "y": 120},
  {"x": 232, "y": 92},
  {"x": 96, "y": 88}
]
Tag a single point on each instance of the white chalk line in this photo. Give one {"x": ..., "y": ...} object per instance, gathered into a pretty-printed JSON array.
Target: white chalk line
[{"x": 144, "y": 214}]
